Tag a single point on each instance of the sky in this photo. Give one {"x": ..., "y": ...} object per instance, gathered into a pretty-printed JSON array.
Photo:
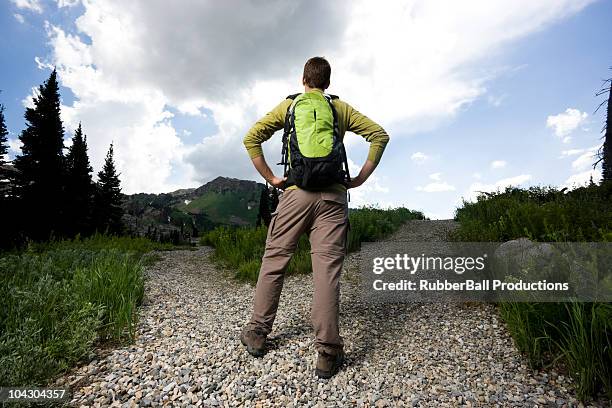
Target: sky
[{"x": 475, "y": 95}]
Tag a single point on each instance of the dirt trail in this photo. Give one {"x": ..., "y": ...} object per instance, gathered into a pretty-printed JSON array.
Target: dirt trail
[{"x": 187, "y": 351}]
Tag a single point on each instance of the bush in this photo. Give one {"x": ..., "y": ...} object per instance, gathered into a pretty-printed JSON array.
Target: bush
[
  {"x": 58, "y": 299},
  {"x": 578, "y": 334},
  {"x": 538, "y": 213}
]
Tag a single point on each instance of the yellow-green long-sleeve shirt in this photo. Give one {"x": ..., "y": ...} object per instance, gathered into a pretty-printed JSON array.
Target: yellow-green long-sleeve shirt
[{"x": 349, "y": 119}]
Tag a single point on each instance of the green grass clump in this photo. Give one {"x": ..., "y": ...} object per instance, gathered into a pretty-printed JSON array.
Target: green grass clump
[
  {"x": 577, "y": 334},
  {"x": 135, "y": 245},
  {"x": 369, "y": 224},
  {"x": 540, "y": 214},
  {"x": 58, "y": 299},
  {"x": 241, "y": 249}
]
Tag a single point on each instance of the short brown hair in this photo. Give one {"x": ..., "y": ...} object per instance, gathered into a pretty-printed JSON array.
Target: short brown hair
[{"x": 317, "y": 72}]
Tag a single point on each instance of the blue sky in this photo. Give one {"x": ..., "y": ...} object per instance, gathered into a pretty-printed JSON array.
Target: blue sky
[{"x": 475, "y": 99}]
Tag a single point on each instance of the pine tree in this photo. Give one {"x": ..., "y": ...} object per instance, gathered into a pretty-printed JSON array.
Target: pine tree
[
  {"x": 3, "y": 137},
  {"x": 605, "y": 151},
  {"x": 6, "y": 201},
  {"x": 79, "y": 186},
  {"x": 41, "y": 164},
  {"x": 107, "y": 207},
  {"x": 4, "y": 174}
]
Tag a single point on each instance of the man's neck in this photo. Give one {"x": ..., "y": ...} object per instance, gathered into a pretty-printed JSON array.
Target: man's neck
[{"x": 308, "y": 89}]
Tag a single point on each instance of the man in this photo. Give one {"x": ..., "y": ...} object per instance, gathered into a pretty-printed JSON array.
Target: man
[{"x": 320, "y": 213}]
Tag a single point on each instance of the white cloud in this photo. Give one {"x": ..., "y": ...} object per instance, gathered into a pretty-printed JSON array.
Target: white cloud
[
  {"x": 424, "y": 48},
  {"x": 566, "y": 122},
  {"x": 370, "y": 191},
  {"x": 477, "y": 187},
  {"x": 585, "y": 160},
  {"x": 28, "y": 101},
  {"x": 418, "y": 64},
  {"x": 19, "y": 18},
  {"x": 571, "y": 152},
  {"x": 32, "y": 5},
  {"x": 67, "y": 3},
  {"x": 419, "y": 157},
  {"x": 582, "y": 166},
  {"x": 498, "y": 164},
  {"x": 496, "y": 100},
  {"x": 14, "y": 146},
  {"x": 436, "y": 187},
  {"x": 583, "y": 178}
]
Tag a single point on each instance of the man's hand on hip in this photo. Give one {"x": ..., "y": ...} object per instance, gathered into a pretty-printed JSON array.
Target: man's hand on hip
[
  {"x": 366, "y": 171},
  {"x": 355, "y": 182},
  {"x": 278, "y": 182},
  {"x": 262, "y": 167}
]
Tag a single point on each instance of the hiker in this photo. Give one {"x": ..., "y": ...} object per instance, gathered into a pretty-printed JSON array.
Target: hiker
[{"x": 314, "y": 202}]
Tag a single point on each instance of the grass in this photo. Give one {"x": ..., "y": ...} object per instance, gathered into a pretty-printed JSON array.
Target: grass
[
  {"x": 540, "y": 214},
  {"x": 576, "y": 335},
  {"x": 241, "y": 249},
  {"x": 60, "y": 298},
  {"x": 585, "y": 342}
]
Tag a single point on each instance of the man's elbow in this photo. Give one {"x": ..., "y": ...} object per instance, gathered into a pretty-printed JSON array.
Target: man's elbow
[
  {"x": 385, "y": 138},
  {"x": 247, "y": 141},
  {"x": 382, "y": 137}
]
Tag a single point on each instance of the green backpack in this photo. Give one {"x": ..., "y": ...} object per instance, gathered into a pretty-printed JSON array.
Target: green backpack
[{"x": 313, "y": 154}]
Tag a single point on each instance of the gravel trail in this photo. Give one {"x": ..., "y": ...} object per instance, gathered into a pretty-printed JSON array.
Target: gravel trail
[{"x": 187, "y": 351}]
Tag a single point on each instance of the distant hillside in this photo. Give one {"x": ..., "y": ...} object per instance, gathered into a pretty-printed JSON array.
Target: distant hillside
[{"x": 222, "y": 201}]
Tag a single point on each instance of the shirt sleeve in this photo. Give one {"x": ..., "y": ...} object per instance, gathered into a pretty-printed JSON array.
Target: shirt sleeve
[
  {"x": 264, "y": 128},
  {"x": 370, "y": 131}
]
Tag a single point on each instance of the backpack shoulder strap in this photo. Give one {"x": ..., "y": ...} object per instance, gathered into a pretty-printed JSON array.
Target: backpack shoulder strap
[
  {"x": 330, "y": 98},
  {"x": 287, "y": 129}
]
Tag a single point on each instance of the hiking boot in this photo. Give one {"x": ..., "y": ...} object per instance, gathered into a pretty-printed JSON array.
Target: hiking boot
[
  {"x": 328, "y": 364},
  {"x": 254, "y": 340}
]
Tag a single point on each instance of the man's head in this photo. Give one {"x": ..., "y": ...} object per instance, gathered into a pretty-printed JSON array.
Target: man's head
[{"x": 317, "y": 72}]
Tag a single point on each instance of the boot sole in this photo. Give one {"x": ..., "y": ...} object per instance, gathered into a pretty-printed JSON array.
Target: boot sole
[
  {"x": 325, "y": 374},
  {"x": 329, "y": 374},
  {"x": 252, "y": 351}
]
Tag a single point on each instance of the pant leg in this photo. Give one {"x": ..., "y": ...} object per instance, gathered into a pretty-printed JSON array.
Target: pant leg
[
  {"x": 328, "y": 240},
  {"x": 292, "y": 218}
]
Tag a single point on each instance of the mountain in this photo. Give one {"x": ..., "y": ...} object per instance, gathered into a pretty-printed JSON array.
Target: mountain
[{"x": 222, "y": 201}]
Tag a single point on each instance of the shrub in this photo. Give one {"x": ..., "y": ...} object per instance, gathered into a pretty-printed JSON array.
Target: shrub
[
  {"x": 58, "y": 299},
  {"x": 579, "y": 334}
]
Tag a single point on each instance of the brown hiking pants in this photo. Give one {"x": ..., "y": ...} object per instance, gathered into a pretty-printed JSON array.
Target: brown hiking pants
[{"x": 323, "y": 216}]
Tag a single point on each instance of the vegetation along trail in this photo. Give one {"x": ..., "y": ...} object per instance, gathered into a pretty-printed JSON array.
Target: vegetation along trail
[{"x": 187, "y": 351}]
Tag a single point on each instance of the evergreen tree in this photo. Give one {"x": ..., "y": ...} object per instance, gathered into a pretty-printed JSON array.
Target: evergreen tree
[
  {"x": 79, "y": 186},
  {"x": 107, "y": 207},
  {"x": 5, "y": 176},
  {"x": 6, "y": 199},
  {"x": 41, "y": 164},
  {"x": 3, "y": 137},
  {"x": 605, "y": 151}
]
